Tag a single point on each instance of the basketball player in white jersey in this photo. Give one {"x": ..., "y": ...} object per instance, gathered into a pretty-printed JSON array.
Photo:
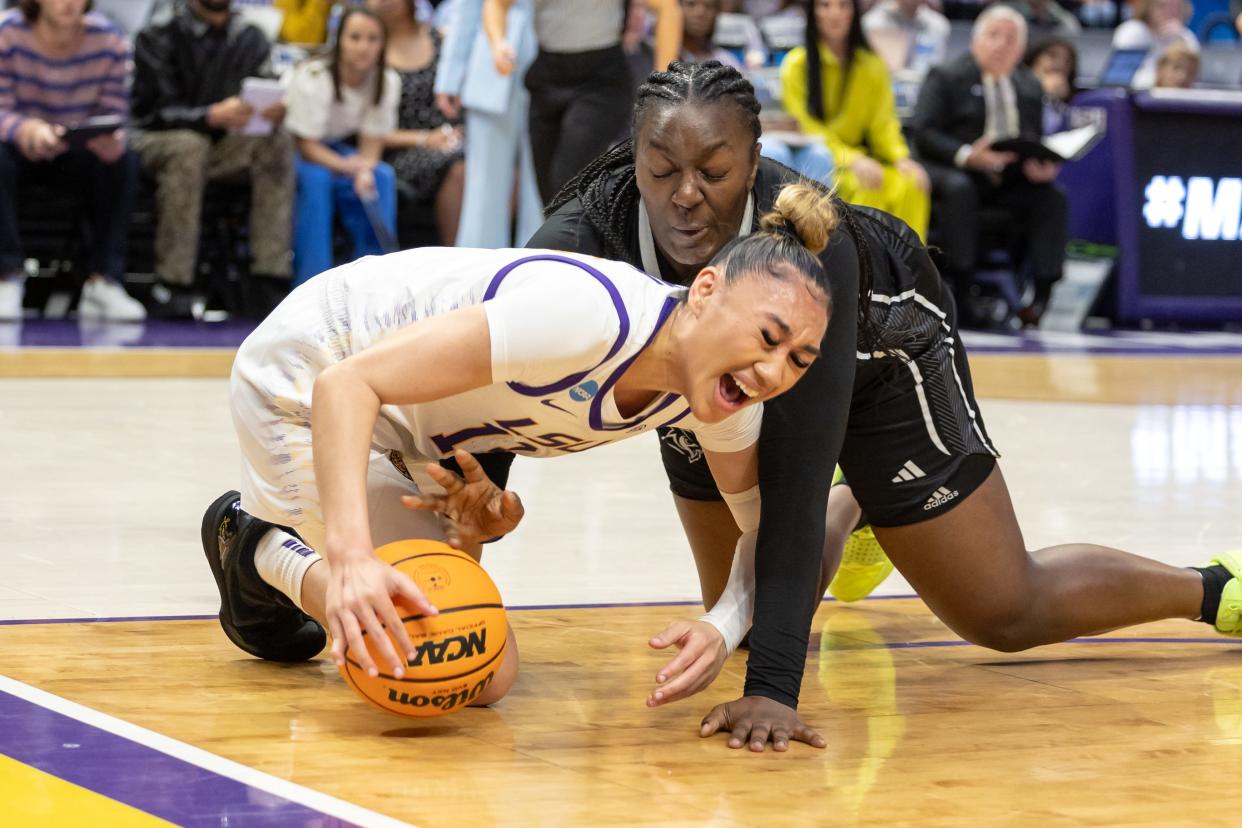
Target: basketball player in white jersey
[{"x": 392, "y": 363}]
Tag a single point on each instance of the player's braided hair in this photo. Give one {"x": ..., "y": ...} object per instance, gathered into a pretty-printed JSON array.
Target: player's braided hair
[{"x": 608, "y": 190}]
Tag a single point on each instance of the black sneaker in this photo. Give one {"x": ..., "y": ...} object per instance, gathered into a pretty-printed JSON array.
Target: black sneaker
[{"x": 255, "y": 617}]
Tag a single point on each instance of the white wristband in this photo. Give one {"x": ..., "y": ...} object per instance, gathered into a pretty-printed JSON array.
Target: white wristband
[{"x": 732, "y": 614}]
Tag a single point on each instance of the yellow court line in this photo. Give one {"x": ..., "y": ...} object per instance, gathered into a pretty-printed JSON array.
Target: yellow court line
[
  {"x": 1093, "y": 378},
  {"x": 66, "y": 363},
  {"x": 32, "y": 797}
]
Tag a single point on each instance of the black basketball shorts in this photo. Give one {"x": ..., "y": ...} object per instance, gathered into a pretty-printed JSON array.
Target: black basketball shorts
[{"x": 915, "y": 445}]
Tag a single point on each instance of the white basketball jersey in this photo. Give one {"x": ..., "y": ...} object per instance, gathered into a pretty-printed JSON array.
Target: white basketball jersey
[{"x": 563, "y": 327}]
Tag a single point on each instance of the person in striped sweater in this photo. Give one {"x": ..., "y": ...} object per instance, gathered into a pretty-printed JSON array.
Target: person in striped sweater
[{"x": 60, "y": 67}]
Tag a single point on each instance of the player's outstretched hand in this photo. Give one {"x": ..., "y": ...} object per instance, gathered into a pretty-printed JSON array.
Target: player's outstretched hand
[
  {"x": 702, "y": 654},
  {"x": 476, "y": 508},
  {"x": 360, "y": 597},
  {"x": 756, "y": 720}
]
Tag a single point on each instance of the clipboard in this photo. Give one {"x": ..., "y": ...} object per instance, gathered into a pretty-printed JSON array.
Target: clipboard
[{"x": 1059, "y": 146}]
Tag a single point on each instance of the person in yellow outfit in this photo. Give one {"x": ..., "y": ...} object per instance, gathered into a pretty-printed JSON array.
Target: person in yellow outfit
[
  {"x": 306, "y": 21},
  {"x": 840, "y": 90}
]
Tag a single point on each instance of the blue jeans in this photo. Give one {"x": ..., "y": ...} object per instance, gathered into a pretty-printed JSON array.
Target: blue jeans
[
  {"x": 323, "y": 194},
  {"x": 813, "y": 160}
]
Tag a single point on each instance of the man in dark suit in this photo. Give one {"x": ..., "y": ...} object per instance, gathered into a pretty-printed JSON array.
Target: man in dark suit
[{"x": 964, "y": 106}]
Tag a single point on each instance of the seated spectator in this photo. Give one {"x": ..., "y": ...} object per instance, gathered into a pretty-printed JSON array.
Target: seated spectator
[
  {"x": 1156, "y": 25},
  {"x": 1046, "y": 17},
  {"x": 58, "y": 67},
  {"x": 1054, "y": 60},
  {"x": 188, "y": 75},
  {"x": 908, "y": 34},
  {"x": 425, "y": 148},
  {"x": 497, "y": 140},
  {"x": 698, "y": 27},
  {"x": 963, "y": 107},
  {"x": 306, "y": 21},
  {"x": 342, "y": 109},
  {"x": 1177, "y": 67},
  {"x": 838, "y": 89}
]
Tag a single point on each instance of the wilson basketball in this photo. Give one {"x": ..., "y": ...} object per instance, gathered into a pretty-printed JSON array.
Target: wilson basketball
[{"x": 457, "y": 652}]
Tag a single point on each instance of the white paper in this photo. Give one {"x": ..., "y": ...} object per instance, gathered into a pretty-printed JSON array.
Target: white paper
[
  {"x": 260, "y": 93},
  {"x": 1071, "y": 143}
]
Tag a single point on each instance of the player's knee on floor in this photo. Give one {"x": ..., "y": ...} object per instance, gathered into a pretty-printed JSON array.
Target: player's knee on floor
[{"x": 1002, "y": 629}]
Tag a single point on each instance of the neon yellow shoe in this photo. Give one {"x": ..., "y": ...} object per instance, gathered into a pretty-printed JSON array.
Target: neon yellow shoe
[
  {"x": 1229, "y": 615},
  {"x": 864, "y": 566}
]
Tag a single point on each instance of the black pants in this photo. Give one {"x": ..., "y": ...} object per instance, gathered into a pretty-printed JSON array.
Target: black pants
[
  {"x": 1040, "y": 218},
  {"x": 580, "y": 104},
  {"x": 108, "y": 188}
]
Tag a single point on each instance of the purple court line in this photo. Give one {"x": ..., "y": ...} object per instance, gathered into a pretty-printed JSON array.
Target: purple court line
[
  {"x": 13, "y": 622},
  {"x": 139, "y": 776},
  {"x": 911, "y": 645}
]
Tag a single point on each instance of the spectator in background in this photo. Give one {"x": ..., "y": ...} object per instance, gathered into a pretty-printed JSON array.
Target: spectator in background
[
  {"x": 808, "y": 155},
  {"x": 306, "y": 21},
  {"x": 838, "y": 89},
  {"x": 58, "y": 67},
  {"x": 1054, "y": 60},
  {"x": 342, "y": 112},
  {"x": 698, "y": 27},
  {"x": 1156, "y": 25},
  {"x": 581, "y": 89},
  {"x": 918, "y": 34},
  {"x": 1177, "y": 67},
  {"x": 425, "y": 148},
  {"x": 964, "y": 106},
  {"x": 1046, "y": 17},
  {"x": 497, "y": 139},
  {"x": 188, "y": 75}
]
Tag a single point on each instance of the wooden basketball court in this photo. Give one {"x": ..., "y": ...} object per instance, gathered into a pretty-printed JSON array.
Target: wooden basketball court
[{"x": 110, "y": 457}]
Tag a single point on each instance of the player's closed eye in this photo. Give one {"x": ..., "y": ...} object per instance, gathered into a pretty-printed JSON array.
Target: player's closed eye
[{"x": 772, "y": 343}]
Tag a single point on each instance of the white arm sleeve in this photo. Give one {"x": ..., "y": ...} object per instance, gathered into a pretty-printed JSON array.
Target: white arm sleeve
[
  {"x": 732, "y": 614},
  {"x": 737, "y": 431}
]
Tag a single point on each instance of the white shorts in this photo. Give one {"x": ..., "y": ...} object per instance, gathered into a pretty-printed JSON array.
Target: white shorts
[{"x": 270, "y": 404}]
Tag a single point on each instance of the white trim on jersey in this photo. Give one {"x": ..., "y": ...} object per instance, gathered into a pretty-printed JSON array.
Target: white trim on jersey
[
  {"x": 923, "y": 406},
  {"x": 974, "y": 421},
  {"x": 885, "y": 299},
  {"x": 646, "y": 241}
]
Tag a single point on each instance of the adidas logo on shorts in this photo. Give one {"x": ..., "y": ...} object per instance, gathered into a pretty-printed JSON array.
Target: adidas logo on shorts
[
  {"x": 938, "y": 499},
  {"x": 909, "y": 472}
]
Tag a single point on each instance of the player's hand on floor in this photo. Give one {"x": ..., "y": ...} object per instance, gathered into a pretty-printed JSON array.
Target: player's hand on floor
[
  {"x": 360, "y": 597},
  {"x": 702, "y": 653},
  {"x": 755, "y": 721},
  {"x": 475, "y": 507}
]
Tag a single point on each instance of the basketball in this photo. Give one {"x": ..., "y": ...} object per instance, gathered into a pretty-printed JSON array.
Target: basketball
[{"x": 457, "y": 652}]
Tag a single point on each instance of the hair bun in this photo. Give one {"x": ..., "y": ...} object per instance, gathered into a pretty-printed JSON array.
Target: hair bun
[{"x": 805, "y": 212}]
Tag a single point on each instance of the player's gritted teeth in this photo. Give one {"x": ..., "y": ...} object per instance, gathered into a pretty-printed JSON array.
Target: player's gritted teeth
[{"x": 736, "y": 392}]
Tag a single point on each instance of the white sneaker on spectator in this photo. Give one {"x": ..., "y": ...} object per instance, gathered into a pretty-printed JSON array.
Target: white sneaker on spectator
[
  {"x": 105, "y": 299},
  {"x": 12, "y": 290}
]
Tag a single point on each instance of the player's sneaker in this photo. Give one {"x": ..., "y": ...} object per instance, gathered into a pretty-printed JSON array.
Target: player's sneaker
[
  {"x": 1229, "y": 615},
  {"x": 864, "y": 566},
  {"x": 255, "y": 617}
]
